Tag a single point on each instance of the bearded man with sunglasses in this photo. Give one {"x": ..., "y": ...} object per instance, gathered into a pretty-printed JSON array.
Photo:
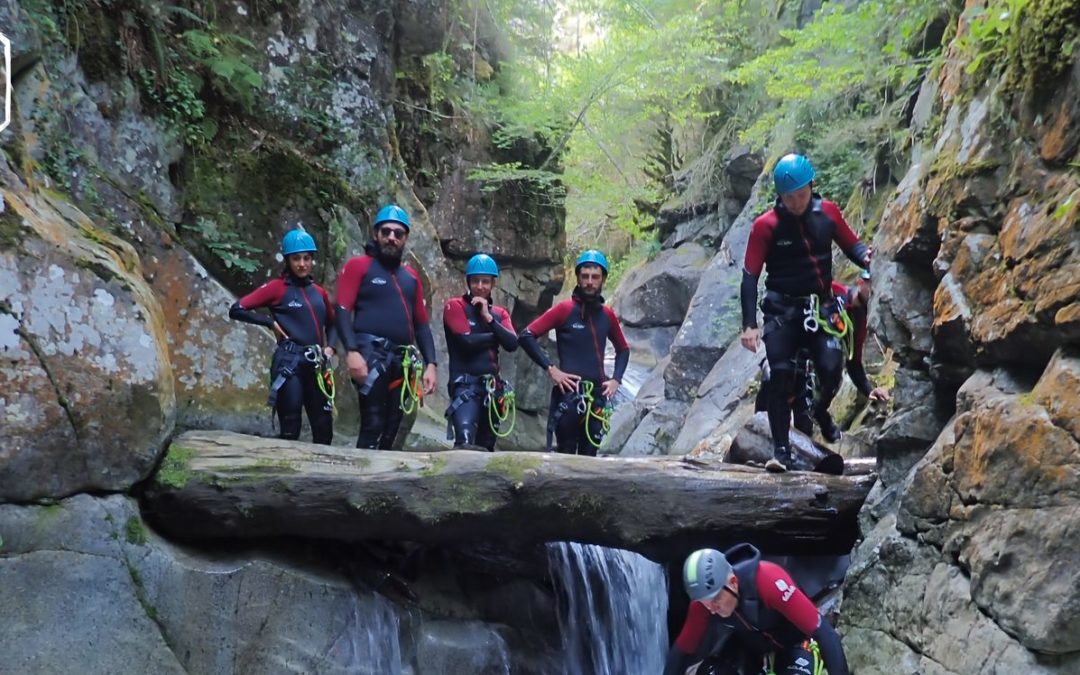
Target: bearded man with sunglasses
[
  {"x": 746, "y": 612},
  {"x": 382, "y": 320}
]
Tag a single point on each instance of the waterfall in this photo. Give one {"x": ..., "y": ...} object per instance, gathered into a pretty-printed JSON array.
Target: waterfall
[
  {"x": 612, "y": 610},
  {"x": 370, "y": 643}
]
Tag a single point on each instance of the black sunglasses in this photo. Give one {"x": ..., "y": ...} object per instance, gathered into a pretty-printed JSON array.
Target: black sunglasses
[{"x": 395, "y": 232}]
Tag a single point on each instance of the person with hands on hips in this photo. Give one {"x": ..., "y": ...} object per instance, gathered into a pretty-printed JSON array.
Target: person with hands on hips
[{"x": 583, "y": 325}]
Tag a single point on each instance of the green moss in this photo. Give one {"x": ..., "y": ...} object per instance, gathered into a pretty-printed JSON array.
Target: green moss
[
  {"x": 135, "y": 531},
  {"x": 514, "y": 466},
  {"x": 12, "y": 230},
  {"x": 1027, "y": 399},
  {"x": 1044, "y": 45},
  {"x": 140, "y": 593},
  {"x": 176, "y": 470},
  {"x": 467, "y": 497},
  {"x": 438, "y": 464}
]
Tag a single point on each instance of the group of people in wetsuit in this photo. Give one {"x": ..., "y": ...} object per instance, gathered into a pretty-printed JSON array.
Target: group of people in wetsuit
[
  {"x": 742, "y": 609},
  {"x": 379, "y": 317}
]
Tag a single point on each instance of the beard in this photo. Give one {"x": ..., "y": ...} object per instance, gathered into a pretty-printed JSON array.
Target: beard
[{"x": 390, "y": 253}]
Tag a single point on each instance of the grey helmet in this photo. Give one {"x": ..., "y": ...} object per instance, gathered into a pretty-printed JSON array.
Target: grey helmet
[{"x": 705, "y": 573}]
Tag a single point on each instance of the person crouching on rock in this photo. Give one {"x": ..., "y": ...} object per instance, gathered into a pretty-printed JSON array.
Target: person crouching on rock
[
  {"x": 383, "y": 323},
  {"x": 745, "y": 611},
  {"x": 302, "y": 319},
  {"x": 577, "y": 417},
  {"x": 475, "y": 330}
]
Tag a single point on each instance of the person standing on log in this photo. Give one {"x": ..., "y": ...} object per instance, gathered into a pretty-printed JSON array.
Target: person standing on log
[
  {"x": 794, "y": 241},
  {"x": 383, "y": 323},
  {"x": 583, "y": 324},
  {"x": 745, "y": 612},
  {"x": 475, "y": 330},
  {"x": 302, "y": 318},
  {"x": 855, "y": 302}
]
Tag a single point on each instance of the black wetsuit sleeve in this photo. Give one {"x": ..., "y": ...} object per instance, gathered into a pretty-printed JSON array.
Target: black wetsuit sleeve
[
  {"x": 426, "y": 342},
  {"x": 748, "y": 299},
  {"x": 622, "y": 360},
  {"x": 857, "y": 254},
  {"x": 508, "y": 340},
  {"x": 857, "y": 373},
  {"x": 343, "y": 319},
  {"x": 238, "y": 313},
  {"x": 677, "y": 662},
  {"x": 532, "y": 347},
  {"x": 832, "y": 651}
]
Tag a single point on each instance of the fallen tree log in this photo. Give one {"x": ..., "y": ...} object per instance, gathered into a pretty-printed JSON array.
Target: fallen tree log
[
  {"x": 754, "y": 444},
  {"x": 215, "y": 484}
]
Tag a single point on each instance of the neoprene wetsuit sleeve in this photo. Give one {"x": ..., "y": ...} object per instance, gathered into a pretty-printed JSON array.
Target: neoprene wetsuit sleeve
[
  {"x": 426, "y": 342},
  {"x": 238, "y": 313},
  {"x": 748, "y": 299},
  {"x": 832, "y": 651},
  {"x": 857, "y": 372},
  {"x": 507, "y": 338},
  {"x": 677, "y": 662},
  {"x": 532, "y": 347},
  {"x": 343, "y": 319},
  {"x": 622, "y": 359}
]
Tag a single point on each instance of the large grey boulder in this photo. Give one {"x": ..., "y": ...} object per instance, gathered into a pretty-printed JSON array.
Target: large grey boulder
[
  {"x": 87, "y": 393},
  {"x": 714, "y": 317},
  {"x": 724, "y": 402},
  {"x": 657, "y": 430},
  {"x": 658, "y": 293}
]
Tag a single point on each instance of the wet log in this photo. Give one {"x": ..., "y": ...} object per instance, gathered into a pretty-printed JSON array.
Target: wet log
[
  {"x": 215, "y": 484},
  {"x": 754, "y": 444}
]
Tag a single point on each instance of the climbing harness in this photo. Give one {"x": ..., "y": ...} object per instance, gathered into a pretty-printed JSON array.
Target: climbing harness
[
  {"x": 602, "y": 415},
  {"x": 837, "y": 324},
  {"x": 811, "y": 646},
  {"x": 324, "y": 373},
  {"x": 500, "y": 407},
  {"x": 412, "y": 366}
]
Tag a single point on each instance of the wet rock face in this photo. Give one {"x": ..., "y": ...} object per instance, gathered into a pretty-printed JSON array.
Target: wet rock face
[
  {"x": 87, "y": 386},
  {"x": 658, "y": 293}
]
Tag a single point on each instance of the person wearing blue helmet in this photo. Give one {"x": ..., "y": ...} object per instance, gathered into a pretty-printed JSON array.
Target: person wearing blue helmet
[
  {"x": 302, "y": 318},
  {"x": 583, "y": 325},
  {"x": 793, "y": 240},
  {"x": 475, "y": 330},
  {"x": 383, "y": 323},
  {"x": 855, "y": 301}
]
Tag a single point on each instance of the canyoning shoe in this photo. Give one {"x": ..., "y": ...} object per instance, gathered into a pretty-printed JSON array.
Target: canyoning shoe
[
  {"x": 829, "y": 431},
  {"x": 781, "y": 460}
]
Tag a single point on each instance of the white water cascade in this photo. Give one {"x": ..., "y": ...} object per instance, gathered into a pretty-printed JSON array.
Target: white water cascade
[{"x": 612, "y": 610}]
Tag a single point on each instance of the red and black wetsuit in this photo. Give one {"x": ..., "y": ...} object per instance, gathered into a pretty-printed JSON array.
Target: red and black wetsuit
[
  {"x": 473, "y": 345},
  {"x": 583, "y": 325},
  {"x": 773, "y": 615},
  {"x": 380, "y": 312},
  {"x": 303, "y": 310},
  {"x": 797, "y": 252},
  {"x": 802, "y": 404}
]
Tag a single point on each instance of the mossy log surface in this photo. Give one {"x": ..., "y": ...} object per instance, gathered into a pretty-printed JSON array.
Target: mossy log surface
[{"x": 217, "y": 484}]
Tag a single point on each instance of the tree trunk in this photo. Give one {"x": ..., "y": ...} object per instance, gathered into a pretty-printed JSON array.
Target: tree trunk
[{"x": 218, "y": 484}]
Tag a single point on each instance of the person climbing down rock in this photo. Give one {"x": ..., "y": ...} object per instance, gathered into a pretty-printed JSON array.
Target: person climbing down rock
[
  {"x": 383, "y": 323},
  {"x": 476, "y": 328},
  {"x": 793, "y": 240},
  {"x": 302, "y": 319},
  {"x": 854, "y": 302},
  {"x": 583, "y": 324},
  {"x": 745, "y": 612}
]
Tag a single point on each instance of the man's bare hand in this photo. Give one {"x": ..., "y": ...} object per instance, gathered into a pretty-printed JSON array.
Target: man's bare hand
[
  {"x": 609, "y": 387},
  {"x": 357, "y": 366},
  {"x": 430, "y": 379},
  {"x": 751, "y": 338},
  {"x": 880, "y": 394},
  {"x": 565, "y": 381}
]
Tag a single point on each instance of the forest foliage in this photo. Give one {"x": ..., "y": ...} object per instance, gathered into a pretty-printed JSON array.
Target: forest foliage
[{"x": 637, "y": 102}]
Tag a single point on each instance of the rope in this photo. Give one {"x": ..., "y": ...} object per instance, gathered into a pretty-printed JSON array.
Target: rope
[
  {"x": 411, "y": 368},
  {"x": 507, "y": 402},
  {"x": 604, "y": 416},
  {"x": 819, "y": 665},
  {"x": 844, "y": 333}
]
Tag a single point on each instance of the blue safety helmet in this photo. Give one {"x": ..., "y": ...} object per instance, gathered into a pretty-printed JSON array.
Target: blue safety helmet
[
  {"x": 392, "y": 213},
  {"x": 297, "y": 241},
  {"x": 481, "y": 263},
  {"x": 792, "y": 172},
  {"x": 592, "y": 257}
]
